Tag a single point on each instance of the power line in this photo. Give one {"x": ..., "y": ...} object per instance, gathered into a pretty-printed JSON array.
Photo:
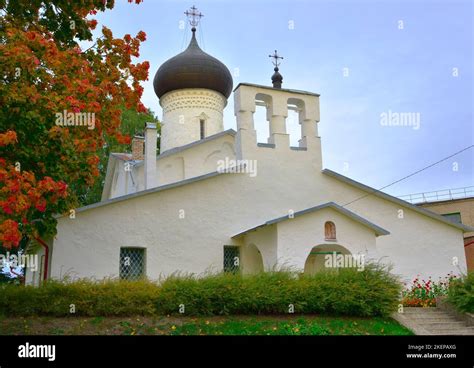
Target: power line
[{"x": 408, "y": 176}]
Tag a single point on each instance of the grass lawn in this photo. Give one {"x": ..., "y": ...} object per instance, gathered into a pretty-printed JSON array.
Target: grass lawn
[{"x": 228, "y": 325}]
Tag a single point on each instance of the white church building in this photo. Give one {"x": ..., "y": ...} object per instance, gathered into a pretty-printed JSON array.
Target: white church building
[{"x": 215, "y": 199}]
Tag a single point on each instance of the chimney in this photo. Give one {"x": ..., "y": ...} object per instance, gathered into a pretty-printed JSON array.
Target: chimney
[
  {"x": 150, "y": 155},
  {"x": 138, "y": 147}
]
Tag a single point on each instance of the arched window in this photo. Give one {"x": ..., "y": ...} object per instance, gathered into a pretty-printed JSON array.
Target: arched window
[{"x": 329, "y": 230}]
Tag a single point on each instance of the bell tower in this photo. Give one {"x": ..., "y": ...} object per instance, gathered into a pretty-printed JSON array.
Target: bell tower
[{"x": 277, "y": 101}]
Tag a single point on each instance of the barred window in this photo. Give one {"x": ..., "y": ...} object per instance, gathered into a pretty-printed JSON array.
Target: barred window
[
  {"x": 132, "y": 263},
  {"x": 231, "y": 258}
]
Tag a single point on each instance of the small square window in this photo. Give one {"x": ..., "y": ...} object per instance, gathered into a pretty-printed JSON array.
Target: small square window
[
  {"x": 132, "y": 263},
  {"x": 231, "y": 258}
]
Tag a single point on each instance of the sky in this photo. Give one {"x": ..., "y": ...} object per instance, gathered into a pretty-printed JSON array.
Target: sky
[{"x": 369, "y": 61}]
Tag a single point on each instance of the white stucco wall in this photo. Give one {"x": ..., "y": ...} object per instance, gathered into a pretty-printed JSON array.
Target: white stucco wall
[
  {"x": 297, "y": 236},
  {"x": 221, "y": 206},
  {"x": 287, "y": 244},
  {"x": 251, "y": 260},
  {"x": 265, "y": 240},
  {"x": 417, "y": 244},
  {"x": 197, "y": 160}
]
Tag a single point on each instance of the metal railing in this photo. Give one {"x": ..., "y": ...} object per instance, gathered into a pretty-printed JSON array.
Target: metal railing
[{"x": 439, "y": 195}]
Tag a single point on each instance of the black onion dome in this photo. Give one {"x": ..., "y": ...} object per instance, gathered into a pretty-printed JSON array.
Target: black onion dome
[{"x": 193, "y": 68}]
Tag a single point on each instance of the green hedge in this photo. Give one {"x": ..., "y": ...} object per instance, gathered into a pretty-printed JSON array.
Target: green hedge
[
  {"x": 461, "y": 293},
  {"x": 372, "y": 292}
]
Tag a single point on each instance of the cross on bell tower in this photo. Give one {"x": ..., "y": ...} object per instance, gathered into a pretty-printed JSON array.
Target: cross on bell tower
[
  {"x": 277, "y": 78},
  {"x": 194, "y": 17}
]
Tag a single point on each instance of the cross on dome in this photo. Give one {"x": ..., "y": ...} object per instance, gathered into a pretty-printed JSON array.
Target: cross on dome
[
  {"x": 277, "y": 78},
  {"x": 193, "y": 68},
  {"x": 275, "y": 57},
  {"x": 194, "y": 17}
]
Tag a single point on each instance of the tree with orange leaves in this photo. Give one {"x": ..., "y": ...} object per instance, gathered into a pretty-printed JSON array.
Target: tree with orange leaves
[{"x": 46, "y": 76}]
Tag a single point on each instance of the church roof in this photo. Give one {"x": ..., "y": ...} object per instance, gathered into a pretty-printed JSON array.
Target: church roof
[
  {"x": 122, "y": 156},
  {"x": 377, "y": 229},
  {"x": 127, "y": 157},
  {"x": 160, "y": 188},
  {"x": 193, "y": 68},
  {"x": 399, "y": 201},
  {"x": 174, "y": 150}
]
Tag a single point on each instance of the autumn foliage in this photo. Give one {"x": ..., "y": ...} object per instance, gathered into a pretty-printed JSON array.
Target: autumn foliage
[{"x": 44, "y": 73}]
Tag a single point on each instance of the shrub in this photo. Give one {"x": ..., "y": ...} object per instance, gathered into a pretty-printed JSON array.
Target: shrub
[
  {"x": 423, "y": 293},
  {"x": 89, "y": 298},
  {"x": 263, "y": 293},
  {"x": 461, "y": 293},
  {"x": 371, "y": 292}
]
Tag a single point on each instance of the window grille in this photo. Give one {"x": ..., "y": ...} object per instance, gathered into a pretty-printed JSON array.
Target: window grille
[
  {"x": 132, "y": 263},
  {"x": 231, "y": 259}
]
